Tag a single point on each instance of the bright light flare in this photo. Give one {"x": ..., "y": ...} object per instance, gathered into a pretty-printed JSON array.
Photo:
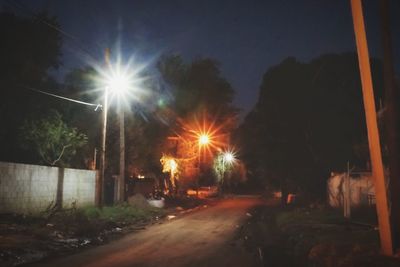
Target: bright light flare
[
  {"x": 118, "y": 84},
  {"x": 229, "y": 157},
  {"x": 204, "y": 139},
  {"x": 124, "y": 82},
  {"x": 205, "y": 134}
]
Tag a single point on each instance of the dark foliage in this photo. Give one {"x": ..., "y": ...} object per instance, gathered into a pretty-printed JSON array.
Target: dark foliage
[
  {"x": 29, "y": 49},
  {"x": 309, "y": 120},
  {"x": 197, "y": 87}
]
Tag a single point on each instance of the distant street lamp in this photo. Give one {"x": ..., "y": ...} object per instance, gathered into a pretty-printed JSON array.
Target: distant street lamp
[
  {"x": 228, "y": 157},
  {"x": 203, "y": 140}
]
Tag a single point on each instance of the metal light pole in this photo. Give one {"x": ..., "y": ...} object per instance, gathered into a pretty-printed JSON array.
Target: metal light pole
[
  {"x": 227, "y": 158},
  {"x": 223, "y": 174},
  {"x": 101, "y": 183},
  {"x": 198, "y": 176},
  {"x": 204, "y": 140},
  {"x": 385, "y": 230}
]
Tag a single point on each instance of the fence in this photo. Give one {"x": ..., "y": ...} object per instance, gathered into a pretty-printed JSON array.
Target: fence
[
  {"x": 31, "y": 188},
  {"x": 362, "y": 191}
]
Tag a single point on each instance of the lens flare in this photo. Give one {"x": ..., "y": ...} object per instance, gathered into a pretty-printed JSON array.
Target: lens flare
[
  {"x": 123, "y": 81},
  {"x": 204, "y": 139},
  {"x": 229, "y": 157}
]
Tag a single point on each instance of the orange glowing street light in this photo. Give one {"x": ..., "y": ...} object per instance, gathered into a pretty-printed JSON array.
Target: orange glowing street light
[
  {"x": 208, "y": 138},
  {"x": 204, "y": 139}
]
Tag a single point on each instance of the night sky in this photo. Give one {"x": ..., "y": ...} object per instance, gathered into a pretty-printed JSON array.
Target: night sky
[{"x": 246, "y": 37}]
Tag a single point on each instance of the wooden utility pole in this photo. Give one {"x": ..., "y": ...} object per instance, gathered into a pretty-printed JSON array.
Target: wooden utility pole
[
  {"x": 121, "y": 177},
  {"x": 385, "y": 230},
  {"x": 391, "y": 116}
]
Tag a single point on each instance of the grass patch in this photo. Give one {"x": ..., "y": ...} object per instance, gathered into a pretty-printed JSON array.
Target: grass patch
[{"x": 123, "y": 212}]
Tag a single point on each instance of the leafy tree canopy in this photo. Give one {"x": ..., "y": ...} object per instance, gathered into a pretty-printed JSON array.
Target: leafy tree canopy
[
  {"x": 51, "y": 139},
  {"x": 197, "y": 86}
]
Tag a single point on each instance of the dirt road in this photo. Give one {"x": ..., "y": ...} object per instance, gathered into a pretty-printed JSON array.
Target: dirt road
[{"x": 201, "y": 238}]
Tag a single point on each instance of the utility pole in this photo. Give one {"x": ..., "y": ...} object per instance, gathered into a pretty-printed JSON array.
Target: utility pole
[
  {"x": 101, "y": 186},
  {"x": 391, "y": 116},
  {"x": 121, "y": 177},
  {"x": 385, "y": 230},
  {"x": 198, "y": 176},
  {"x": 94, "y": 158}
]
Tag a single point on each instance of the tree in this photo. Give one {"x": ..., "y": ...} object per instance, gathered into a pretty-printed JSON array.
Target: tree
[
  {"x": 308, "y": 121},
  {"x": 51, "y": 139},
  {"x": 79, "y": 84},
  {"x": 29, "y": 48},
  {"x": 144, "y": 139},
  {"x": 202, "y": 102},
  {"x": 197, "y": 87}
]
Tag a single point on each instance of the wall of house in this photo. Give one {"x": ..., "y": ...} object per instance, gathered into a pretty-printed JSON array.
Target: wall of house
[{"x": 32, "y": 188}]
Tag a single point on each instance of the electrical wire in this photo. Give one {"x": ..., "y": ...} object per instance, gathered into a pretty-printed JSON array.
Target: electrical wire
[{"x": 64, "y": 98}]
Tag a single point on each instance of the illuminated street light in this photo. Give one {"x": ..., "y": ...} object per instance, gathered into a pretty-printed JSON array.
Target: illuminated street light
[
  {"x": 229, "y": 157},
  {"x": 223, "y": 166},
  {"x": 117, "y": 81},
  {"x": 204, "y": 139}
]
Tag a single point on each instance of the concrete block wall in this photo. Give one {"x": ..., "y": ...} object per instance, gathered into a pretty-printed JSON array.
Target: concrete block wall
[{"x": 32, "y": 188}]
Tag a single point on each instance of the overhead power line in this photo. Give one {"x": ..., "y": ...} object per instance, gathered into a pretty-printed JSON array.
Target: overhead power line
[{"x": 64, "y": 98}]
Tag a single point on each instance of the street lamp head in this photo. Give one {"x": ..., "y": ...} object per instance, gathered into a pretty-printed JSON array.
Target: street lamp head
[
  {"x": 229, "y": 157},
  {"x": 122, "y": 81},
  {"x": 118, "y": 83},
  {"x": 204, "y": 139}
]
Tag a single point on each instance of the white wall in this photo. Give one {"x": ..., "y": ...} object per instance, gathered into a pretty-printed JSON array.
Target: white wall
[{"x": 32, "y": 188}]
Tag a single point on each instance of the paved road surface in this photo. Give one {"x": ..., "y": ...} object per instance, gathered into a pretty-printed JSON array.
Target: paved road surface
[{"x": 201, "y": 238}]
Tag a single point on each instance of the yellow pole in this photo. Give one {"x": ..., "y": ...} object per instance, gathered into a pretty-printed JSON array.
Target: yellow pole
[{"x": 385, "y": 232}]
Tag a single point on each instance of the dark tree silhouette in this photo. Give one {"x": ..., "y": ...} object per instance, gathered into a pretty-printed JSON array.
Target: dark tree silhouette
[
  {"x": 197, "y": 87},
  {"x": 308, "y": 121},
  {"x": 29, "y": 49}
]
